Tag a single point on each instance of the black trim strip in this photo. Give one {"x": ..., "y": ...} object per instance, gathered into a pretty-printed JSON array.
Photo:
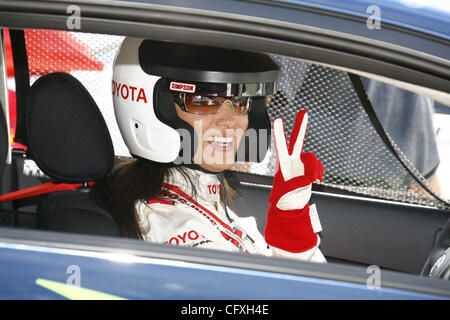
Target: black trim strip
[{"x": 22, "y": 79}]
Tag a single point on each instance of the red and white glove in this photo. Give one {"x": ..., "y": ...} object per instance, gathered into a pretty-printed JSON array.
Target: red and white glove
[{"x": 290, "y": 226}]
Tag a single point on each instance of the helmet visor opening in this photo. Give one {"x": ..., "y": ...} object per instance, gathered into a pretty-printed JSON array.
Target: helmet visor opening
[{"x": 211, "y": 104}]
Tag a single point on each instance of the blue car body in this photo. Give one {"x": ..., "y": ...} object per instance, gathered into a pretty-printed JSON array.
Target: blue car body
[{"x": 165, "y": 279}]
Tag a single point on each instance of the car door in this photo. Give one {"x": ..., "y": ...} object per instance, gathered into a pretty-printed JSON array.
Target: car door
[{"x": 359, "y": 227}]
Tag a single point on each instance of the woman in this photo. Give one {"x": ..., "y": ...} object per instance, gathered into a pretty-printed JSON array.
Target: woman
[{"x": 183, "y": 111}]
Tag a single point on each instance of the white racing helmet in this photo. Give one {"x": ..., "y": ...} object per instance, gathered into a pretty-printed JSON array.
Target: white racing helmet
[{"x": 147, "y": 72}]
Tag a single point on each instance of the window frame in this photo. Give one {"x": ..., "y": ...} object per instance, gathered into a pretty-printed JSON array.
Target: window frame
[{"x": 230, "y": 30}]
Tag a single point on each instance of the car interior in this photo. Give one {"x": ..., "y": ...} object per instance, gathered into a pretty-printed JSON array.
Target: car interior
[{"x": 368, "y": 213}]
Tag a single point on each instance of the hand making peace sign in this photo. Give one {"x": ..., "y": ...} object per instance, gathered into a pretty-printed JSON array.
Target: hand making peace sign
[{"x": 296, "y": 170}]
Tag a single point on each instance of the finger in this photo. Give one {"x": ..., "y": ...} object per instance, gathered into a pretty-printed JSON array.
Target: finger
[
  {"x": 314, "y": 167},
  {"x": 298, "y": 134},
  {"x": 279, "y": 137}
]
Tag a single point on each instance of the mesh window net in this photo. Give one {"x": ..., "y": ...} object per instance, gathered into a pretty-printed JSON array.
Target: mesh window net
[{"x": 340, "y": 131}]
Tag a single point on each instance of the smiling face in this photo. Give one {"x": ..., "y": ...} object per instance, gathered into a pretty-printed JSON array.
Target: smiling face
[{"x": 219, "y": 136}]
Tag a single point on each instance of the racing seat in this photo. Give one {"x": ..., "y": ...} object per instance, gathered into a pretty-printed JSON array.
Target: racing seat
[{"x": 70, "y": 142}]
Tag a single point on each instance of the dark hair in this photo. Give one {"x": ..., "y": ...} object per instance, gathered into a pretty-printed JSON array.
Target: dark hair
[{"x": 133, "y": 180}]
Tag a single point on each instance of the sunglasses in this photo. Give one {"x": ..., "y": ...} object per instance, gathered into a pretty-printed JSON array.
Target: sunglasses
[{"x": 206, "y": 104}]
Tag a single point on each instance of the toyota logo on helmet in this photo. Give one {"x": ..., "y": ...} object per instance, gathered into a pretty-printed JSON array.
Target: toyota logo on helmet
[{"x": 146, "y": 73}]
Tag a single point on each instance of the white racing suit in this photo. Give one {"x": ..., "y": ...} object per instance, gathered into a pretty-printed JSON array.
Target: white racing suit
[{"x": 176, "y": 218}]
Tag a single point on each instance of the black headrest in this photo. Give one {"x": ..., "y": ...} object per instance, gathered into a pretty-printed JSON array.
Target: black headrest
[
  {"x": 67, "y": 135},
  {"x": 3, "y": 139}
]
